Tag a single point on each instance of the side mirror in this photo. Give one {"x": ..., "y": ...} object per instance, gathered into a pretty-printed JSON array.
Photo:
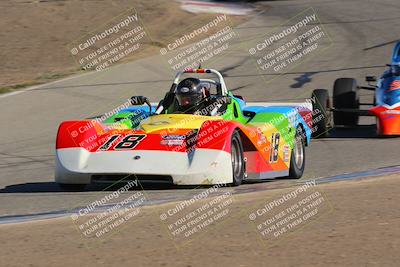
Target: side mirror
[
  {"x": 370, "y": 78},
  {"x": 139, "y": 100}
]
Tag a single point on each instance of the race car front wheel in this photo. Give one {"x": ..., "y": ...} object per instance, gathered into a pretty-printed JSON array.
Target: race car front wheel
[
  {"x": 297, "y": 160},
  {"x": 237, "y": 159},
  {"x": 345, "y": 96}
]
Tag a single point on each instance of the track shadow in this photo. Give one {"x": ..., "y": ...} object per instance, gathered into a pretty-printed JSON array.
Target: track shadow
[
  {"x": 45, "y": 187},
  {"x": 52, "y": 187},
  {"x": 381, "y": 44},
  {"x": 302, "y": 79},
  {"x": 360, "y": 131}
]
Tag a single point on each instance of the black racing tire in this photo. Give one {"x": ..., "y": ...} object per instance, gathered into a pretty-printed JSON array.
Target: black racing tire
[
  {"x": 298, "y": 157},
  {"x": 238, "y": 164},
  {"x": 321, "y": 115},
  {"x": 345, "y": 96},
  {"x": 72, "y": 187}
]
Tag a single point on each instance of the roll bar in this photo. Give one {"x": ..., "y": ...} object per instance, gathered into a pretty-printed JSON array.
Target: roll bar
[{"x": 221, "y": 80}]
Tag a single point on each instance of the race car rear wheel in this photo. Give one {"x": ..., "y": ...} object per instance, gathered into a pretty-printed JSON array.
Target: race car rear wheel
[
  {"x": 72, "y": 187},
  {"x": 345, "y": 96},
  {"x": 298, "y": 157},
  {"x": 237, "y": 159},
  {"x": 321, "y": 106}
]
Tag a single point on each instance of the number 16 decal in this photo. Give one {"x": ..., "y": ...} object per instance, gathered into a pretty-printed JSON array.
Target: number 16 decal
[{"x": 273, "y": 156}]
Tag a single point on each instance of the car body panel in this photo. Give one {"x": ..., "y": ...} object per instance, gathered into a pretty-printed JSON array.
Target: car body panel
[
  {"x": 387, "y": 98},
  {"x": 182, "y": 148}
]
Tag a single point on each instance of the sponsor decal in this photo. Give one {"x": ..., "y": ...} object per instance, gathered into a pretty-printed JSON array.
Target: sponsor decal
[
  {"x": 261, "y": 138},
  {"x": 391, "y": 111},
  {"x": 172, "y": 140},
  {"x": 286, "y": 150},
  {"x": 173, "y": 137}
]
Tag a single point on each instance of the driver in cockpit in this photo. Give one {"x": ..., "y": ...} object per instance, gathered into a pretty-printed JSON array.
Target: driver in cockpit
[{"x": 192, "y": 97}]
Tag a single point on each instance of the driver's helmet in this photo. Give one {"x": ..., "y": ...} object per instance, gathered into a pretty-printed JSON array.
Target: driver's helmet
[
  {"x": 396, "y": 69},
  {"x": 189, "y": 93}
]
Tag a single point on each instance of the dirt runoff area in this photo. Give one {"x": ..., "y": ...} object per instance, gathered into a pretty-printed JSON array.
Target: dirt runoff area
[
  {"x": 35, "y": 35},
  {"x": 358, "y": 225}
]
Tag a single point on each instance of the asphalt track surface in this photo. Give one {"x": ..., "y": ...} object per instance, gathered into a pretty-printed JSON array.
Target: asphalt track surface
[{"x": 362, "y": 33}]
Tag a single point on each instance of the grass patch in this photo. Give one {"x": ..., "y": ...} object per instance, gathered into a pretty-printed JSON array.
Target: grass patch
[
  {"x": 43, "y": 78},
  {"x": 15, "y": 87},
  {"x": 11, "y": 88}
]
